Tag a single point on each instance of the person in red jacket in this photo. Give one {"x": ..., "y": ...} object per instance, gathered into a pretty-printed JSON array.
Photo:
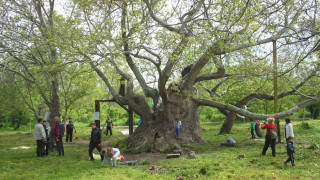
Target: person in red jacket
[
  {"x": 59, "y": 134},
  {"x": 268, "y": 140}
]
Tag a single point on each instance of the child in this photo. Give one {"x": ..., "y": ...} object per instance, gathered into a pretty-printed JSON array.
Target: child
[
  {"x": 252, "y": 126},
  {"x": 178, "y": 126},
  {"x": 108, "y": 154},
  {"x": 290, "y": 151}
]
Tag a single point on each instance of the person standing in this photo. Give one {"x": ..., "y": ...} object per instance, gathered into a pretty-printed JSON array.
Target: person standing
[
  {"x": 70, "y": 127},
  {"x": 270, "y": 126},
  {"x": 46, "y": 144},
  {"x": 290, "y": 151},
  {"x": 252, "y": 127},
  {"x": 108, "y": 154},
  {"x": 95, "y": 141},
  {"x": 59, "y": 134},
  {"x": 178, "y": 127},
  {"x": 109, "y": 126},
  {"x": 39, "y": 135},
  {"x": 288, "y": 129}
]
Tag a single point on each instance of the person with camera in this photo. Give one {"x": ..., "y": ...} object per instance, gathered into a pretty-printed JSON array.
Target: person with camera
[{"x": 268, "y": 139}]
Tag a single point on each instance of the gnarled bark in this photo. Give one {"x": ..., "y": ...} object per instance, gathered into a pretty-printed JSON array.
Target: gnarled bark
[{"x": 156, "y": 131}]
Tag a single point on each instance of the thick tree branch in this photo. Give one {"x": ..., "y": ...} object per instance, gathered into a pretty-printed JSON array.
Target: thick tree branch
[
  {"x": 148, "y": 91},
  {"x": 129, "y": 60},
  {"x": 152, "y": 53},
  {"x": 243, "y": 112},
  {"x": 209, "y": 76},
  {"x": 105, "y": 79},
  {"x": 167, "y": 71}
]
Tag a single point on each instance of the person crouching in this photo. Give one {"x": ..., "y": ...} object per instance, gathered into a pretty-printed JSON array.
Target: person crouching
[{"x": 108, "y": 154}]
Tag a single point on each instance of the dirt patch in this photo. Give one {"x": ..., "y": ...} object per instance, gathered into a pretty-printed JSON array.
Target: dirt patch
[{"x": 144, "y": 156}]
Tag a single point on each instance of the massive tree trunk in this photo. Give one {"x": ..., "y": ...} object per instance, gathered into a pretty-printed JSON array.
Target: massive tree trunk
[
  {"x": 55, "y": 110},
  {"x": 156, "y": 131},
  {"x": 228, "y": 123}
]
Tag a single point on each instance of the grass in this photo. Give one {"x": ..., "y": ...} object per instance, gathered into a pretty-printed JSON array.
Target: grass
[{"x": 213, "y": 161}]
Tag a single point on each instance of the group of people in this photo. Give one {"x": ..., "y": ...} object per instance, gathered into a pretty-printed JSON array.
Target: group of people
[
  {"x": 42, "y": 131},
  {"x": 270, "y": 138},
  {"x": 41, "y": 135}
]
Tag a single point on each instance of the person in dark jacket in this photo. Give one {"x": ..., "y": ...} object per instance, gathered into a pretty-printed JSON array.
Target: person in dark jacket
[
  {"x": 59, "y": 134},
  {"x": 109, "y": 126},
  {"x": 95, "y": 141},
  {"x": 290, "y": 151},
  {"x": 70, "y": 127},
  {"x": 46, "y": 142}
]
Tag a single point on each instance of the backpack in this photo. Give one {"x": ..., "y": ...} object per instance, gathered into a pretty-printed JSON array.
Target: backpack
[
  {"x": 231, "y": 140},
  {"x": 61, "y": 130},
  {"x": 273, "y": 134}
]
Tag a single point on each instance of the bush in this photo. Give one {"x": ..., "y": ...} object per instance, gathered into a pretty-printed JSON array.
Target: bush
[
  {"x": 306, "y": 126},
  {"x": 314, "y": 146}
]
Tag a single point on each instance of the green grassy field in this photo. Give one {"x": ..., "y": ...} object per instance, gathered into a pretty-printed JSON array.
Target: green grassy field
[{"x": 213, "y": 160}]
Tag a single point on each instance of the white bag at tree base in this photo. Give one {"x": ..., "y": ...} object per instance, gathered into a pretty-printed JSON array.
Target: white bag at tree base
[{"x": 273, "y": 134}]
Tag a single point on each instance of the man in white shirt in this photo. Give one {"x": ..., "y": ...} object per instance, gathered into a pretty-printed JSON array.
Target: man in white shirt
[{"x": 39, "y": 136}]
